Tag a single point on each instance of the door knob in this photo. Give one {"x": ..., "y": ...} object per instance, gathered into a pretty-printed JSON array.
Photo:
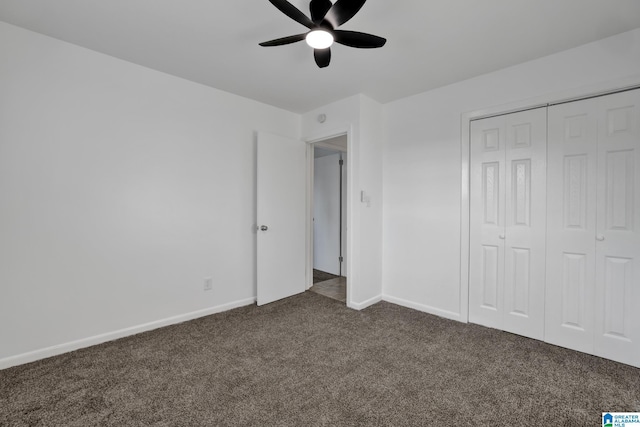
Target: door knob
[
  {"x": 502, "y": 236},
  {"x": 600, "y": 237},
  {"x": 264, "y": 228}
]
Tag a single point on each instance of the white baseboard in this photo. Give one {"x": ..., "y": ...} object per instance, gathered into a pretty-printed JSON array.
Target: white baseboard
[
  {"x": 365, "y": 304},
  {"x": 425, "y": 308},
  {"x": 55, "y": 350}
]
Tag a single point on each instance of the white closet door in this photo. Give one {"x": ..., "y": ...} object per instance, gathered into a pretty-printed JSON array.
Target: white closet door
[
  {"x": 507, "y": 222},
  {"x": 593, "y": 234},
  {"x": 487, "y": 204},
  {"x": 525, "y": 222},
  {"x": 618, "y": 229},
  {"x": 571, "y": 225}
]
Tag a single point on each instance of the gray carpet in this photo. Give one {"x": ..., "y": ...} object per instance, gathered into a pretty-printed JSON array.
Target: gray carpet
[{"x": 309, "y": 360}]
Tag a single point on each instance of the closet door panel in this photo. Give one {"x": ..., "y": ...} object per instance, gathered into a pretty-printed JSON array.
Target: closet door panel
[
  {"x": 525, "y": 221},
  {"x": 507, "y": 222},
  {"x": 571, "y": 225},
  {"x": 618, "y": 233},
  {"x": 486, "y": 269}
]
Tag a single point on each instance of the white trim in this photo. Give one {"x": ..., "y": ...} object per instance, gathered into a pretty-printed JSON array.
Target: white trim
[
  {"x": 465, "y": 158},
  {"x": 310, "y": 140},
  {"x": 424, "y": 308},
  {"x": 328, "y": 134},
  {"x": 309, "y": 209},
  {"x": 569, "y": 95},
  {"x": 56, "y": 350},
  {"x": 362, "y": 305}
]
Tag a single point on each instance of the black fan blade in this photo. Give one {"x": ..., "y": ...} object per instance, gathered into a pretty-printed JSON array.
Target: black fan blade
[
  {"x": 293, "y": 12},
  {"x": 342, "y": 11},
  {"x": 284, "y": 40},
  {"x": 357, "y": 39},
  {"x": 322, "y": 56},
  {"x": 319, "y": 9}
]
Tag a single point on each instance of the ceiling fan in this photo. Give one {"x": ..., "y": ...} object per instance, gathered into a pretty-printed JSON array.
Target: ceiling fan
[{"x": 326, "y": 17}]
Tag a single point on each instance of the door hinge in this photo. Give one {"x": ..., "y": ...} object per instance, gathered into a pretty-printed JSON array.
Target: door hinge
[
  {"x": 340, "y": 259},
  {"x": 341, "y": 162}
]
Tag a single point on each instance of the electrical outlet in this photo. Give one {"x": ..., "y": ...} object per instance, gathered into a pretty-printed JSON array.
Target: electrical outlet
[{"x": 208, "y": 283}]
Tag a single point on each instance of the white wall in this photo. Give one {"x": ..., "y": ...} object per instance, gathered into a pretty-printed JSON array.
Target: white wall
[
  {"x": 345, "y": 192},
  {"x": 326, "y": 213},
  {"x": 364, "y": 119},
  {"x": 121, "y": 188},
  {"x": 369, "y": 223},
  {"x": 422, "y": 164}
]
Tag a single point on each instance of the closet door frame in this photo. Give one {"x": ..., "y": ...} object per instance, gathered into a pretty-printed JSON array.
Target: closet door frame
[{"x": 613, "y": 86}]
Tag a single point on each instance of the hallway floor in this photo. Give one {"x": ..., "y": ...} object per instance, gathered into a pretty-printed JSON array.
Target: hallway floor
[{"x": 333, "y": 288}]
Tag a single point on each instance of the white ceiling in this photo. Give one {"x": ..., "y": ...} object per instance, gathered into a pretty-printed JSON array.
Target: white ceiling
[
  {"x": 430, "y": 43},
  {"x": 323, "y": 152}
]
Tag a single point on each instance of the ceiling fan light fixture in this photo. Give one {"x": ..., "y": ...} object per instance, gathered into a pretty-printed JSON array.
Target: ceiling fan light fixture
[
  {"x": 319, "y": 39},
  {"x": 326, "y": 17}
]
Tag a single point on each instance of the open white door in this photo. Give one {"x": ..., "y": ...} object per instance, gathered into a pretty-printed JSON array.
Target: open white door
[{"x": 282, "y": 184}]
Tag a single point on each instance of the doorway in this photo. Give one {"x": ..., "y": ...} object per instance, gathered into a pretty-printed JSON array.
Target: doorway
[{"x": 329, "y": 213}]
